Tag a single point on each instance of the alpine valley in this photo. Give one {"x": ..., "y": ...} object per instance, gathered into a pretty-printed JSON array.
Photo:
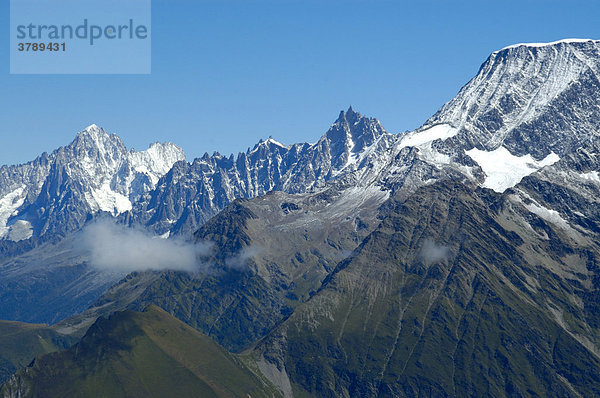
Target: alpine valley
[{"x": 459, "y": 259}]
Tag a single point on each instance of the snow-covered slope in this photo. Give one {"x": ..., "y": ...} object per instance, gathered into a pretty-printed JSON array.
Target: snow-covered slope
[
  {"x": 524, "y": 94},
  {"x": 528, "y": 106}
]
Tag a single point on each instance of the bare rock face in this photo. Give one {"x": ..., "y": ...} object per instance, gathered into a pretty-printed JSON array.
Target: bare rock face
[{"x": 192, "y": 193}]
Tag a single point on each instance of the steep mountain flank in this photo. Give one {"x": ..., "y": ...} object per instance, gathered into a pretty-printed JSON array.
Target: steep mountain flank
[
  {"x": 458, "y": 292},
  {"x": 130, "y": 354}
]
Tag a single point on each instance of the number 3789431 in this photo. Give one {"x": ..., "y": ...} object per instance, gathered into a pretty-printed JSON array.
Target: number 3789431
[{"x": 41, "y": 46}]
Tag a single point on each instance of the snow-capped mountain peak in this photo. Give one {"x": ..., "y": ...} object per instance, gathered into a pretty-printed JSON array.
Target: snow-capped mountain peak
[
  {"x": 92, "y": 127},
  {"x": 350, "y": 134},
  {"x": 158, "y": 158},
  {"x": 95, "y": 172},
  {"x": 517, "y": 90},
  {"x": 119, "y": 177},
  {"x": 553, "y": 43},
  {"x": 94, "y": 134},
  {"x": 263, "y": 145},
  {"x": 529, "y": 106}
]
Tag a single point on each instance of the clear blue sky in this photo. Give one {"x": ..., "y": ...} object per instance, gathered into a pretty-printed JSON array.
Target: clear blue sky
[{"x": 226, "y": 73}]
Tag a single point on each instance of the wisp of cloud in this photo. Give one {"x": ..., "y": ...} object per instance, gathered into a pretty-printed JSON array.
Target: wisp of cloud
[
  {"x": 117, "y": 248},
  {"x": 432, "y": 253},
  {"x": 240, "y": 260}
]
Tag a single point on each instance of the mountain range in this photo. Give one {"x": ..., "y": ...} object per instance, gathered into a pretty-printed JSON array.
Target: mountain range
[{"x": 459, "y": 259}]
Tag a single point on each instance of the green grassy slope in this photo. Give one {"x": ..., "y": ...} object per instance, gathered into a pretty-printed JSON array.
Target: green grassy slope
[
  {"x": 21, "y": 342},
  {"x": 139, "y": 354}
]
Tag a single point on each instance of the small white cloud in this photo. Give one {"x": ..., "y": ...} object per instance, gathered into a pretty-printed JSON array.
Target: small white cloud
[
  {"x": 432, "y": 253},
  {"x": 116, "y": 248},
  {"x": 240, "y": 260}
]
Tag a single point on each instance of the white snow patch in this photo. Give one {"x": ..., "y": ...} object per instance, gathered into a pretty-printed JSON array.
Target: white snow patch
[
  {"x": 106, "y": 199},
  {"x": 20, "y": 230},
  {"x": 590, "y": 176},
  {"x": 430, "y": 155},
  {"x": 549, "y": 215},
  {"x": 505, "y": 170},
  {"x": 271, "y": 140},
  {"x": 439, "y": 131},
  {"x": 8, "y": 206}
]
